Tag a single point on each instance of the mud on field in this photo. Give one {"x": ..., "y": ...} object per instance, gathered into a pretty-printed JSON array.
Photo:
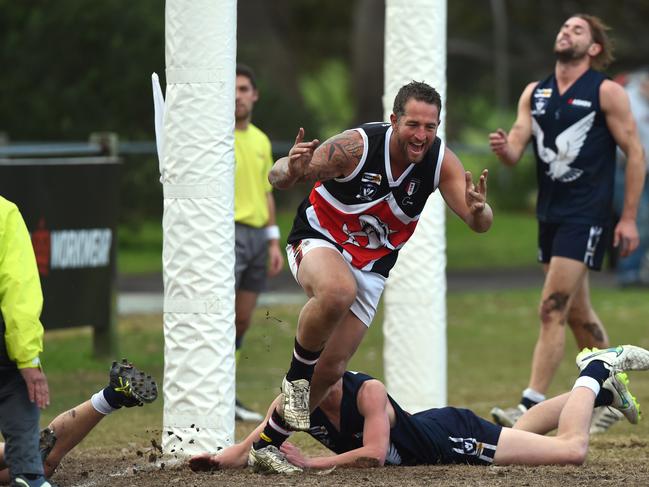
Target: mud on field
[{"x": 613, "y": 460}]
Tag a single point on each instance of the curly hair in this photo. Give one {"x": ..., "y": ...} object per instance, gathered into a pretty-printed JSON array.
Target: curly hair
[{"x": 599, "y": 33}]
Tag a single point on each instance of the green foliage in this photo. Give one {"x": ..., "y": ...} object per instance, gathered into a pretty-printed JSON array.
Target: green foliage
[
  {"x": 327, "y": 94},
  {"x": 73, "y": 67},
  {"x": 140, "y": 190}
]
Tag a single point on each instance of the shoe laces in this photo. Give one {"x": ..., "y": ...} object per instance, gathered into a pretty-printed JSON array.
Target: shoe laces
[{"x": 299, "y": 398}]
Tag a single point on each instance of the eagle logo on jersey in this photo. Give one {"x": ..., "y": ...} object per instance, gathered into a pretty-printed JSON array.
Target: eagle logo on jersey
[
  {"x": 373, "y": 233},
  {"x": 568, "y": 145}
]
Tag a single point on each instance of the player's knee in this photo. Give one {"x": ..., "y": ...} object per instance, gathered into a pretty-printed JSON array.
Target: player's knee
[
  {"x": 553, "y": 309},
  {"x": 337, "y": 299}
]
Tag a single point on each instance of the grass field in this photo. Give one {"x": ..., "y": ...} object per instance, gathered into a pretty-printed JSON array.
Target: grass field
[
  {"x": 490, "y": 340},
  {"x": 140, "y": 249}
]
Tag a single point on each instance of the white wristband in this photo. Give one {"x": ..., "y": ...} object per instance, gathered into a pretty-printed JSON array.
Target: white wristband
[{"x": 272, "y": 232}]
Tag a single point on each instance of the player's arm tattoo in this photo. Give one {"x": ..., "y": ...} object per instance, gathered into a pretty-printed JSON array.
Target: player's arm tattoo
[{"x": 337, "y": 157}]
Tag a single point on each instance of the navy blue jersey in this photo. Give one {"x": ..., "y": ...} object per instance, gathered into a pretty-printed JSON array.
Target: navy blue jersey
[
  {"x": 368, "y": 215},
  {"x": 411, "y": 443},
  {"x": 575, "y": 152}
]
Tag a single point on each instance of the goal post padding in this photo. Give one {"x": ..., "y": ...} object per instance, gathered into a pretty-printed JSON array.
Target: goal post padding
[
  {"x": 414, "y": 324},
  {"x": 197, "y": 173}
]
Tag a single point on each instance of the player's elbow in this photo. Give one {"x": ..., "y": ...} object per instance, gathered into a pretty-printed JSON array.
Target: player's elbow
[{"x": 372, "y": 457}]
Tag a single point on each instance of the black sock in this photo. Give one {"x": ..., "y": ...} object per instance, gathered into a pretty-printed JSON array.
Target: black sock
[
  {"x": 604, "y": 398},
  {"x": 527, "y": 402},
  {"x": 113, "y": 398},
  {"x": 272, "y": 435},
  {"x": 302, "y": 363},
  {"x": 596, "y": 370}
]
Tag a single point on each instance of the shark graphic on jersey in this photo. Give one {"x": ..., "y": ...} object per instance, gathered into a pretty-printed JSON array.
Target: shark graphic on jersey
[
  {"x": 366, "y": 232},
  {"x": 373, "y": 233},
  {"x": 568, "y": 145}
]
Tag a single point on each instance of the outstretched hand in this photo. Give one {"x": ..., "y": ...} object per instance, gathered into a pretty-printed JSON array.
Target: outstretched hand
[
  {"x": 205, "y": 462},
  {"x": 300, "y": 155},
  {"x": 294, "y": 455},
  {"x": 476, "y": 196}
]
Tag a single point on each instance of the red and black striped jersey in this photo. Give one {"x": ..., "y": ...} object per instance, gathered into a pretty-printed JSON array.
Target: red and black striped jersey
[{"x": 368, "y": 214}]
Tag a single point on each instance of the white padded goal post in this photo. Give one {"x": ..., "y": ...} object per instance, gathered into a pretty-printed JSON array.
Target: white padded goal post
[{"x": 414, "y": 325}]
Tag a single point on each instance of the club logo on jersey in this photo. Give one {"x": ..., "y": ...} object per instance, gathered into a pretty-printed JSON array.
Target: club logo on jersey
[
  {"x": 568, "y": 145},
  {"x": 541, "y": 98},
  {"x": 370, "y": 183},
  {"x": 372, "y": 234},
  {"x": 411, "y": 188}
]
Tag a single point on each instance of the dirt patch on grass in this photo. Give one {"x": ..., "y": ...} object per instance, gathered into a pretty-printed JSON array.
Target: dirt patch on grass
[{"x": 613, "y": 460}]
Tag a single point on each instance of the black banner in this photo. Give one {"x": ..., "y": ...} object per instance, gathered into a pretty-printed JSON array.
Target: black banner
[{"x": 70, "y": 207}]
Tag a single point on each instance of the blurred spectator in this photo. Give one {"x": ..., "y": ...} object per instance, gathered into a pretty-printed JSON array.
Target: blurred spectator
[{"x": 634, "y": 269}]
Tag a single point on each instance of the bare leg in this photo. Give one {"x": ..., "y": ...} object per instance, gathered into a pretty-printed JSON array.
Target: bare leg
[
  {"x": 70, "y": 428},
  {"x": 331, "y": 287},
  {"x": 563, "y": 278},
  {"x": 544, "y": 417},
  {"x": 340, "y": 348},
  {"x": 245, "y": 302},
  {"x": 584, "y": 322},
  {"x": 570, "y": 446}
]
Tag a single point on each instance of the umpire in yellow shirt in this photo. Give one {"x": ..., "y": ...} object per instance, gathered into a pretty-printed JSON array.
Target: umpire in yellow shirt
[
  {"x": 257, "y": 236},
  {"x": 23, "y": 385}
]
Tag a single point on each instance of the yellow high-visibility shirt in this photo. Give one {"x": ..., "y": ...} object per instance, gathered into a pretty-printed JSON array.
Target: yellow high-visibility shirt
[
  {"x": 253, "y": 160},
  {"x": 21, "y": 297}
]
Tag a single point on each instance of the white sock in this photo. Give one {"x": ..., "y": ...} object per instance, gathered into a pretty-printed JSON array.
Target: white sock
[
  {"x": 533, "y": 395},
  {"x": 589, "y": 383},
  {"x": 100, "y": 403}
]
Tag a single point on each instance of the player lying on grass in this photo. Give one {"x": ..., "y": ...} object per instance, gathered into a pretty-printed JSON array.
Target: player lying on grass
[
  {"x": 364, "y": 426},
  {"x": 127, "y": 387}
]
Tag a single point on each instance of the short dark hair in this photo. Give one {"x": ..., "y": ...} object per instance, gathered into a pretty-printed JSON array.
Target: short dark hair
[
  {"x": 418, "y": 90},
  {"x": 599, "y": 33},
  {"x": 244, "y": 70}
]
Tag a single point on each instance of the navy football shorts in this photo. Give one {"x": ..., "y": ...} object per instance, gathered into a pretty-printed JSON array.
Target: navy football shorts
[
  {"x": 582, "y": 242},
  {"x": 467, "y": 438}
]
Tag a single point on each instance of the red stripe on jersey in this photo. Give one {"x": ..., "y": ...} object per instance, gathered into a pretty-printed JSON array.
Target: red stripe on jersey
[{"x": 367, "y": 236}]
